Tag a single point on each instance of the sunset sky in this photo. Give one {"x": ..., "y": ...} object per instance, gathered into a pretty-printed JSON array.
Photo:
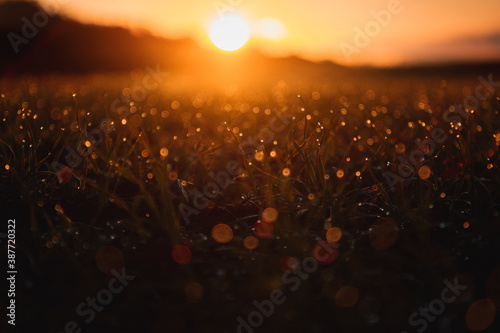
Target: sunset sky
[{"x": 419, "y": 31}]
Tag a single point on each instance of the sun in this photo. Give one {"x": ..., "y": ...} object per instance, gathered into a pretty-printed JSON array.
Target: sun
[{"x": 229, "y": 33}]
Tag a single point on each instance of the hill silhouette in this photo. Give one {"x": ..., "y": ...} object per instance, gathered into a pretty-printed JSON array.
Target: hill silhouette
[{"x": 64, "y": 45}]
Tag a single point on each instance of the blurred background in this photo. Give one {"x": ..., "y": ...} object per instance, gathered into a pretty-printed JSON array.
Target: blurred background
[{"x": 91, "y": 35}]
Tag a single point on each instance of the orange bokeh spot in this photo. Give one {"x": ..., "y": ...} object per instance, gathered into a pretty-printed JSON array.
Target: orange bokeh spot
[
  {"x": 480, "y": 315},
  {"x": 333, "y": 235},
  {"x": 400, "y": 148},
  {"x": 135, "y": 120},
  {"x": 193, "y": 291},
  {"x": 251, "y": 242},
  {"x": 383, "y": 233},
  {"x": 210, "y": 205},
  {"x": 424, "y": 172},
  {"x": 263, "y": 229},
  {"x": 64, "y": 174},
  {"x": 325, "y": 253},
  {"x": 270, "y": 215},
  {"x": 181, "y": 254},
  {"x": 288, "y": 264},
  {"x": 164, "y": 152},
  {"x": 347, "y": 297},
  {"x": 108, "y": 259},
  {"x": 222, "y": 233},
  {"x": 172, "y": 175}
]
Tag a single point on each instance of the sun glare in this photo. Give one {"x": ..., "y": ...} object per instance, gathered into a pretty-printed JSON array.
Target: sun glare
[
  {"x": 271, "y": 28},
  {"x": 229, "y": 33}
]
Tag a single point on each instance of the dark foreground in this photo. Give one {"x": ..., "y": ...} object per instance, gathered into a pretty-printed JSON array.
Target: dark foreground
[{"x": 143, "y": 203}]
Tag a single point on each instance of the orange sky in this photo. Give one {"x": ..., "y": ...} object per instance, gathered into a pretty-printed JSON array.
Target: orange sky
[{"x": 417, "y": 31}]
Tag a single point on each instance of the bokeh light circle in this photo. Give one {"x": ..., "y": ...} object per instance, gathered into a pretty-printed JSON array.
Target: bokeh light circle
[
  {"x": 222, "y": 233},
  {"x": 181, "y": 254},
  {"x": 263, "y": 229},
  {"x": 325, "y": 253},
  {"x": 288, "y": 264},
  {"x": 193, "y": 291},
  {"x": 270, "y": 214},
  {"x": 480, "y": 315},
  {"x": 347, "y": 297},
  {"x": 333, "y": 234},
  {"x": 251, "y": 242},
  {"x": 108, "y": 259},
  {"x": 383, "y": 233}
]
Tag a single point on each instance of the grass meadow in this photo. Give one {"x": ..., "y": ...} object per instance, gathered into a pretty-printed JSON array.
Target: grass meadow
[{"x": 215, "y": 197}]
